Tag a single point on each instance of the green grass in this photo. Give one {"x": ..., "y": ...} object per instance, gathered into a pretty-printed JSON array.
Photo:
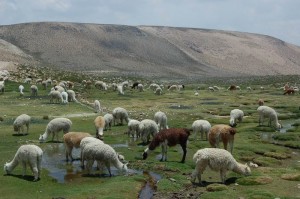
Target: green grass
[{"x": 277, "y": 157}]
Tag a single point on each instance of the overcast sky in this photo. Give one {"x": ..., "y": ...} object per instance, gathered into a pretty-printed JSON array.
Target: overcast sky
[{"x": 277, "y": 18}]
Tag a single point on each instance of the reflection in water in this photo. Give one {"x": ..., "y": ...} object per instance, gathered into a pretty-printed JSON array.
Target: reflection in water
[
  {"x": 150, "y": 187},
  {"x": 54, "y": 161}
]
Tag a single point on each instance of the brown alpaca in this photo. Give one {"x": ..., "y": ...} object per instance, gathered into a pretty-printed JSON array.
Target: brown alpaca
[
  {"x": 261, "y": 102},
  {"x": 71, "y": 140},
  {"x": 232, "y": 88},
  {"x": 99, "y": 123},
  {"x": 169, "y": 137},
  {"x": 221, "y": 132},
  {"x": 289, "y": 91}
]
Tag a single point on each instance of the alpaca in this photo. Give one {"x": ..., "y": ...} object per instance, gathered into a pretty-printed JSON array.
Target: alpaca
[
  {"x": 99, "y": 123},
  {"x": 19, "y": 123},
  {"x": 265, "y": 111},
  {"x": 261, "y": 102},
  {"x": 161, "y": 120},
  {"x": 221, "y": 132},
  {"x": 55, "y": 126},
  {"x": 71, "y": 140},
  {"x": 202, "y": 126},
  {"x": 27, "y": 155},
  {"x": 217, "y": 160},
  {"x": 169, "y": 137},
  {"x": 235, "y": 115}
]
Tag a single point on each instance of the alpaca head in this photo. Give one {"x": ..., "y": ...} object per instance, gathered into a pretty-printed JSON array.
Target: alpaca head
[
  {"x": 124, "y": 168},
  {"x": 278, "y": 126},
  {"x": 42, "y": 138},
  {"x": 6, "y": 168},
  {"x": 247, "y": 170},
  {"x": 232, "y": 123}
]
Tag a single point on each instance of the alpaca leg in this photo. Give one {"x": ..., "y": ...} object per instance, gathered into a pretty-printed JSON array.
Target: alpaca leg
[
  {"x": 35, "y": 172},
  {"x": 162, "y": 152},
  {"x": 223, "y": 175},
  {"x": 39, "y": 167},
  {"x": 199, "y": 169},
  {"x": 231, "y": 145},
  {"x": 27, "y": 128},
  {"x": 108, "y": 168},
  {"x": 183, "y": 146},
  {"x": 24, "y": 168},
  {"x": 22, "y": 129},
  {"x": 89, "y": 166}
]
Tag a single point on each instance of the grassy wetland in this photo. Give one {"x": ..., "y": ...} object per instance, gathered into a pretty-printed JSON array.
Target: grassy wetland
[{"x": 277, "y": 153}]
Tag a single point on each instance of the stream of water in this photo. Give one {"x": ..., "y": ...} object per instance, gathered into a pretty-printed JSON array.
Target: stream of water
[{"x": 54, "y": 161}]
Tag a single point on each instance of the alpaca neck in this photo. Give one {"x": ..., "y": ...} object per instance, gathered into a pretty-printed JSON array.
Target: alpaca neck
[
  {"x": 11, "y": 165},
  {"x": 117, "y": 163},
  {"x": 239, "y": 168}
]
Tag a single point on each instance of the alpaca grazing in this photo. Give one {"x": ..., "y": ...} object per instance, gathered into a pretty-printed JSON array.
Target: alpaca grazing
[
  {"x": 72, "y": 140},
  {"x": 217, "y": 160},
  {"x": 169, "y": 137},
  {"x": 270, "y": 113},
  {"x": 222, "y": 132},
  {"x": 289, "y": 91},
  {"x": 27, "y": 155}
]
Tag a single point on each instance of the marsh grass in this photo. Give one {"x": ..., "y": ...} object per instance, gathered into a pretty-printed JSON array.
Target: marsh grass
[{"x": 182, "y": 108}]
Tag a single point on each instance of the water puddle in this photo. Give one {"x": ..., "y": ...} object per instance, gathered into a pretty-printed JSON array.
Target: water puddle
[
  {"x": 150, "y": 187},
  {"x": 286, "y": 125},
  {"x": 179, "y": 106},
  {"x": 54, "y": 161}
]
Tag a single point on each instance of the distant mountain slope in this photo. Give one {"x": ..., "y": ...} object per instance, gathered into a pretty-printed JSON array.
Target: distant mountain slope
[{"x": 147, "y": 50}]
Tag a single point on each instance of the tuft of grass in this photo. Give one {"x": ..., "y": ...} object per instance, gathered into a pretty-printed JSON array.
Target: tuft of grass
[
  {"x": 255, "y": 180},
  {"x": 216, "y": 187},
  {"x": 291, "y": 177}
]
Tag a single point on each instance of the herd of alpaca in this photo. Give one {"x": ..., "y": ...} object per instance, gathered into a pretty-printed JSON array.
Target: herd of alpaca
[{"x": 154, "y": 132}]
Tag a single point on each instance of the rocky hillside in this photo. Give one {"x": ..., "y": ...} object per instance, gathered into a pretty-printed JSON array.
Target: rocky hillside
[{"x": 146, "y": 50}]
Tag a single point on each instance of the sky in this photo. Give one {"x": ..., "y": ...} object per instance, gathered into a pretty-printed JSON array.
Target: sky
[{"x": 276, "y": 18}]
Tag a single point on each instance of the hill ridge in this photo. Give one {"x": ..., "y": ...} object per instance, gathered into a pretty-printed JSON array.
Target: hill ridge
[{"x": 158, "y": 51}]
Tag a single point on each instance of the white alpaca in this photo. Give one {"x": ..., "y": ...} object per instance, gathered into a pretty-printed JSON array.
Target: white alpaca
[
  {"x": 217, "y": 160},
  {"x": 19, "y": 123},
  {"x": 27, "y": 155},
  {"x": 133, "y": 128},
  {"x": 235, "y": 115},
  {"x": 158, "y": 91},
  {"x": 201, "y": 126},
  {"x": 2, "y": 86},
  {"x": 54, "y": 127},
  {"x": 161, "y": 120},
  {"x": 55, "y": 95},
  {"x": 147, "y": 128},
  {"x": 103, "y": 154},
  {"x": 109, "y": 118},
  {"x": 71, "y": 96},
  {"x": 97, "y": 107},
  {"x": 34, "y": 90},
  {"x": 120, "y": 89},
  {"x": 140, "y": 87},
  {"x": 173, "y": 88},
  {"x": 64, "y": 97},
  {"x": 84, "y": 142},
  {"x": 21, "y": 90},
  {"x": 268, "y": 112},
  {"x": 120, "y": 114}
]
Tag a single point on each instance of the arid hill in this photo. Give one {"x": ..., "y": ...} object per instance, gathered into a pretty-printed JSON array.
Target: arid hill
[{"x": 147, "y": 50}]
